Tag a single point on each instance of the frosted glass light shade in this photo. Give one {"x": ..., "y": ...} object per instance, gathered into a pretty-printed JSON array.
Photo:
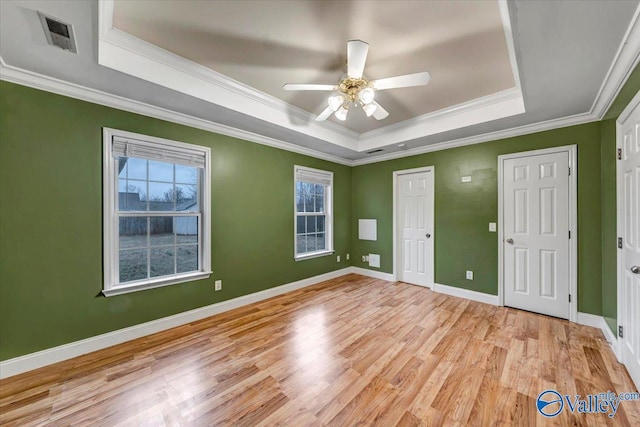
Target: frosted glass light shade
[
  {"x": 369, "y": 109},
  {"x": 335, "y": 102},
  {"x": 341, "y": 114},
  {"x": 366, "y": 95}
]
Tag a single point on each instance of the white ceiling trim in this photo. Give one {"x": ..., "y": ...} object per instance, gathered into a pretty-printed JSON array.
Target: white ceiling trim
[
  {"x": 128, "y": 54},
  {"x": 50, "y": 84},
  {"x": 624, "y": 62},
  {"x": 485, "y": 137},
  {"x": 491, "y": 107}
]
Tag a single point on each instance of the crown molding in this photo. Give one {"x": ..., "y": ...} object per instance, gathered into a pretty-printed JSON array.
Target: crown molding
[
  {"x": 486, "y": 137},
  {"x": 50, "y": 84},
  {"x": 491, "y": 107},
  {"x": 624, "y": 62}
]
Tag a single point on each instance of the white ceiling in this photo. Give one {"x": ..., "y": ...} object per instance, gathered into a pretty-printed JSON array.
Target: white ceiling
[
  {"x": 268, "y": 43},
  {"x": 571, "y": 57}
]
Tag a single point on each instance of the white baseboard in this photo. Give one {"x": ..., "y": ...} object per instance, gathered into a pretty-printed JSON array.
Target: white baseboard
[
  {"x": 596, "y": 321},
  {"x": 372, "y": 273},
  {"x": 466, "y": 293},
  {"x": 49, "y": 356}
]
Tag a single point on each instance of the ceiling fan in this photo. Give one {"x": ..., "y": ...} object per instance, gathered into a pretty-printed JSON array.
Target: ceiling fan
[{"x": 354, "y": 89}]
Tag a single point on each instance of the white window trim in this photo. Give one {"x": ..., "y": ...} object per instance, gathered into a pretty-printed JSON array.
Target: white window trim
[
  {"x": 110, "y": 226},
  {"x": 328, "y": 203}
]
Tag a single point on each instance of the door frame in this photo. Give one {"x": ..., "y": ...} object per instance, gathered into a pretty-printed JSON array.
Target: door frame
[
  {"x": 572, "y": 150},
  {"x": 430, "y": 208},
  {"x": 619, "y": 220}
]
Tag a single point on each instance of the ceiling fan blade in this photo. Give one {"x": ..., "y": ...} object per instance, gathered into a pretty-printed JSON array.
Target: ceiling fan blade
[
  {"x": 380, "y": 113},
  {"x": 324, "y": 115},
  {"x": 357, "y": 51},
  {"x": 302, "y": 86},
  {"x": 417, "y": 79}
]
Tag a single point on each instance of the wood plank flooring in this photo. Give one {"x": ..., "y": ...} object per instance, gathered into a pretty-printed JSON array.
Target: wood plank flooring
[{"x": 350, "y": 351}]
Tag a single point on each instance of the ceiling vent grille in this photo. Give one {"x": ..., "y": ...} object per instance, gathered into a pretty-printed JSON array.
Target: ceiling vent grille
[
  {"x": 58, "y": 33},
  {"x": 375, "y": 151}
]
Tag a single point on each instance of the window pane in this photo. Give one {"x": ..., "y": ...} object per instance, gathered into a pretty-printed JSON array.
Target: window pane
[
  {"x": 301, "y": 244},
  {"x": 320, "y": 224},
  {"x": 299, "y": 199},
  {"x": 133, "y": 265},
  {"x": 160, "y": 171},
  {"x": 131, "y": 195},
  {"x": 161, "y": 196},
  {"x": 132, "y": 232},
  {"x": 300, "y": 222},
  {"x": 320, "y": 242},
  {"x": 122, "y": 167},
  {"x": 308, "y": 197},
  {"x": 161, "y": 231},
  {"x": 162, "y": 261},
  {"x": 137, "y": 168},
  {"x": 311, "y": 242},
  {"x": 186, "y": 197},
  {"x": 187, "y": 258},
  {"x": 311, "y": 224},
  {"x": 319, "y": 203},
  {"x": 319, "y": 189},
  {"x": 186, "y": 174},
  {"x": 186, "y": 228}
]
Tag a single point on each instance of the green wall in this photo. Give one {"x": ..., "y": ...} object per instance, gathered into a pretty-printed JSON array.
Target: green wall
[
  {"x": 463, "y": 210},
  {"x": 51, "y": 221}
]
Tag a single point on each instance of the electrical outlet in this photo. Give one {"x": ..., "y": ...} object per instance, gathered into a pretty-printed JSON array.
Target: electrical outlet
[
  {"x": 347, "y": 257},
  {"x": 364, "y": 258},
  {"x": 218, "y": 285},
  {"x": 492, "y": 227},
  {"x": 338, "y": 258},
  {"x": 469, "y": 275}
]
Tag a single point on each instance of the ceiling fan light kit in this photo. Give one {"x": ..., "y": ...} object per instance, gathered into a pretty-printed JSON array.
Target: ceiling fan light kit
[{"x": 355, "y": 90}]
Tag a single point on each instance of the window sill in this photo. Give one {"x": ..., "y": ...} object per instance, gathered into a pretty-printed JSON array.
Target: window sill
[
  {"x": 312, "y": 255},
  {"x": 155, "y": 283}
]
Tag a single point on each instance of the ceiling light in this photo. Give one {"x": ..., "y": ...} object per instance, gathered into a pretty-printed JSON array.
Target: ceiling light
[
  {"x": 335, "y": 102},
  {"x": 341, "y": 114},
  {"x": 366, "y": 95},
  {"x": 369, "y": 109}
]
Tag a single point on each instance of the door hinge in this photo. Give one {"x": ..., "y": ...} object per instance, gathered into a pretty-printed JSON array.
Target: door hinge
[
  {"x": 569, "y": 297},
  {"x": 619, "y": 242},
  {"x": 569, "y": 171},
  {"x": 619, "y": 153},
  {"x": 569, "y": 234},
  {"x": 620, "y": 332}
]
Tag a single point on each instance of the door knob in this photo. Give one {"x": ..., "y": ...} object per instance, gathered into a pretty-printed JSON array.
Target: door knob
[
  {"x": 428, "y": 236},
  {"x": 635, "y": 269},
  {"x": 510, "y": 241}
]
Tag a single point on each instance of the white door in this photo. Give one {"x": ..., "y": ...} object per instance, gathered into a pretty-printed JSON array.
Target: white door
[
  {"x": 629, "y": 316},
  {"x": 536, "y": 233},
  {"x": 415, "y": 228}
]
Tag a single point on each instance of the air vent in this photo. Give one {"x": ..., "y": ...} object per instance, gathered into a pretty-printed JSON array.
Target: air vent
[
  {"x": 375, "y": 151},
  {"x": 58, "y": 33}
]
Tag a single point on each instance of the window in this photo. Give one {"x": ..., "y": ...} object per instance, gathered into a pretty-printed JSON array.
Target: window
[
  {"x": 157, "y": 212},
  {"x": 313, "y": 212}
]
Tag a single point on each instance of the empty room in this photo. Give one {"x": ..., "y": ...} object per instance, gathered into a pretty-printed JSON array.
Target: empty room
[{"x": 319, "y": 213}]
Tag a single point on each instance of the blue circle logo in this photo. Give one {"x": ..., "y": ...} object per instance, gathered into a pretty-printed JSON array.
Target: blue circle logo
[{"x": 549, "y": 403}]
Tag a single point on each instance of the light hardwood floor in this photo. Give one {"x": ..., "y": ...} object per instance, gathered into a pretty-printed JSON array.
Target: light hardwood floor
[{"x": 350, "y": 351}]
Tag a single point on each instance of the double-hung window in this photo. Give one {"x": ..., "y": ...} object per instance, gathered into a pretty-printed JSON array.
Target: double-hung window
[
  {"x": 157, "y": 212},
  {"x": 313, "y": 212}
]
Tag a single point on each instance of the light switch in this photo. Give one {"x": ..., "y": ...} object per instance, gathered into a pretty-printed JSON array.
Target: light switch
[{"x": 492, "y": 226}]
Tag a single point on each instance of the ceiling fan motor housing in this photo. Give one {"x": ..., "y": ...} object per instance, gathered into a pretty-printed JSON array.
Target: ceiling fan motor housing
[{"x": 351, "y": 88}]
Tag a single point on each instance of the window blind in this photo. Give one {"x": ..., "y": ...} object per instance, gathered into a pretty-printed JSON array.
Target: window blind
[
  {"x": 313, "y": 176},
  {"x": 123, "y": 147}
]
